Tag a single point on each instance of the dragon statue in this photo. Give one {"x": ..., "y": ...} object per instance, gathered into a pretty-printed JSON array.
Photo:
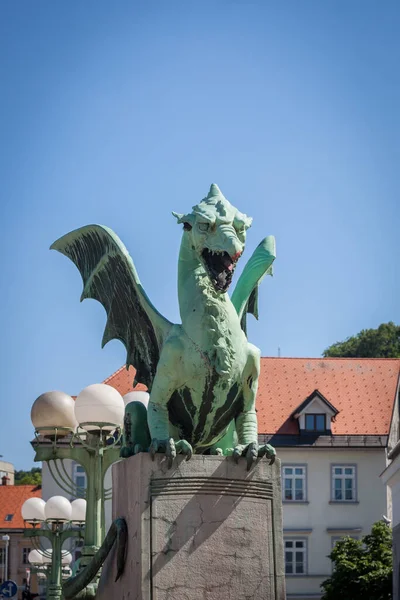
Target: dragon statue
[{"x": 202, "y": 375}]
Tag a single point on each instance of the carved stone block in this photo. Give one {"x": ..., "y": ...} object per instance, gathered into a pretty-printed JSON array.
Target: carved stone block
[{"x": 204, "y": 530}]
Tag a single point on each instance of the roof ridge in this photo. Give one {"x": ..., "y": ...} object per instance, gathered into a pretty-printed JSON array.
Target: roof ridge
[{"x": 116, "y": 372}]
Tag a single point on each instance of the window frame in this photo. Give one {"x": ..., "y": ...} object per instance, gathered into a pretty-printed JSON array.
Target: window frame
[
  {"x": 25, "y": 554},
  {"x": 314, "y": 429},
  {"x": 343, "y": 477},
  {"x": 77, "y": 473},
  {"x": 294, "y": 539},
  {"x": 293, "y": 478}
]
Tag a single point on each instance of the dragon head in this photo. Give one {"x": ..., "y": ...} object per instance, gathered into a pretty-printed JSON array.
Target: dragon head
[{"x": 217, "y": 232}]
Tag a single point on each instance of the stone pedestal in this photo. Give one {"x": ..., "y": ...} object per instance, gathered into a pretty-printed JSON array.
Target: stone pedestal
[{"x": 205, "y": 529}]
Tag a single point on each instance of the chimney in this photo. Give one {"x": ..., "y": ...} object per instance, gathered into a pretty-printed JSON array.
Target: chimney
[{"x": 5, "y": 480}]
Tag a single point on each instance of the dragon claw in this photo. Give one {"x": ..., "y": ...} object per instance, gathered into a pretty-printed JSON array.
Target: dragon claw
[
  {"x": 251, "y": 454},
  {"x": 249, "y": 451},
  {"x": 252, "y": 451},
  {"x": 183, "y": 447},
  {"x": 268, "y": 451},
  {"x": 171, "y": 449},
  {"x": 217, "y": 452},
  {"x": 170, "y": 452},
  {"x": 237, "y": 453}
]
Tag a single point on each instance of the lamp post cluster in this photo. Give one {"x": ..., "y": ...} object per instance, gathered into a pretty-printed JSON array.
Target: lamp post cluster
[
  {"x": 41, "y": 560},
  {"x": 87, "y": 430},
  {"x": 55, "y": 520}
]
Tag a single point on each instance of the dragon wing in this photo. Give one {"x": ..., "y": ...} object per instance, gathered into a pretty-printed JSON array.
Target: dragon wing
[
  {"x": 245, "y": 294},
  {"x": 109, "y": 276}
]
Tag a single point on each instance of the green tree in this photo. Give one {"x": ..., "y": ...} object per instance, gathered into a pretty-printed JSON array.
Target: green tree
[
  {"x": 32, "y": 477},
  {"x": 383, "y": 342},
  {"x": 362, "y": 568}
]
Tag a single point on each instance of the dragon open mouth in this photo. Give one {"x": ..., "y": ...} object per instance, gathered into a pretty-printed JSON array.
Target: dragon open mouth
[{"x": 220, "y": 267}]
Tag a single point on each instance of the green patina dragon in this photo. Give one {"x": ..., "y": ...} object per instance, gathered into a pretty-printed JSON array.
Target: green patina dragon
[{"x": 203, "y": 374}]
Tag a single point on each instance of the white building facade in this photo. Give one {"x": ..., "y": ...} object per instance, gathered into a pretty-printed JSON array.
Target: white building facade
[{"x": 327, "y": 493}]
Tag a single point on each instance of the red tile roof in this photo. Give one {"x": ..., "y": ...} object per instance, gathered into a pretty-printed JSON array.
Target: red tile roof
[
  {"x": 362, "y": 389},
  {"x": 12, "y": 498},
  {"x": 122, "y": 380}
]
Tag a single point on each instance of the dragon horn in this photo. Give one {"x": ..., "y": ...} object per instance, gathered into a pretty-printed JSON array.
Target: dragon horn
[
  {"x": 214, "y": 191},
  {"x": 178, "y": 216}
]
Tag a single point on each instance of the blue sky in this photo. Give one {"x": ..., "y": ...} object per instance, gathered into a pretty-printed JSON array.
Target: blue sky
[{"x": 118, "y": 113}]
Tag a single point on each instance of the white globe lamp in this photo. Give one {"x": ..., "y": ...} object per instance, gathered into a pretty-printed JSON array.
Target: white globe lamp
[
  {"x": 47, "y": 556},
  {"x": 99, "y": 403},
  {"x": 66, "y": 558},
  {"x": 32, "y": 510},
  {"x": 35, "y": 557},
  {"x": 58, "y": 508},
  {"x": 78, "y": 514},
  {"x": 138, "y": 396},
  {"x": 53, "y": 410}
]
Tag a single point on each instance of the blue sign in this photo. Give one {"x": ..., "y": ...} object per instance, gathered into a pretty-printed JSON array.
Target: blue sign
[{"x": 8, "y": 589}]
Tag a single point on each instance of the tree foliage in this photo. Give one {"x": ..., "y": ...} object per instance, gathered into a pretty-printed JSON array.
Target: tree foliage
[
  {"x": 32, "y": 477},
  {"x": 383, "y": 342},
  {"x": 362, "y": 568}
]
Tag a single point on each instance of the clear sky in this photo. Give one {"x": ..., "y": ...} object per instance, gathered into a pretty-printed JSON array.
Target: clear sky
[{"x": 120, "y": 112}]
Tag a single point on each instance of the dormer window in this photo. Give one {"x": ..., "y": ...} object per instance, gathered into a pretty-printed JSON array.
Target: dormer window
[
  {"x": 315, "y": 414},
  {"x": 314, "y": 422}
]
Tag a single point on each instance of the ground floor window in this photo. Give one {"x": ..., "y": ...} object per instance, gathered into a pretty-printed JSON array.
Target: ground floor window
[{"x": 295, "y": 556}]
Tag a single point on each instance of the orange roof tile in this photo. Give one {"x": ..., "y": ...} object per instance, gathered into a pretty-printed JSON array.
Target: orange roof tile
[
  {"x": 362, "y": 389},
  {"x": 12, "y": 498},
  {"x": 122, "y": 380}
]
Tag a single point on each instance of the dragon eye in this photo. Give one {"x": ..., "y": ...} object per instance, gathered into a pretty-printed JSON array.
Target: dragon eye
[
  {"x": 187, "y": 226},
  {"x": 204, "y": 226}
]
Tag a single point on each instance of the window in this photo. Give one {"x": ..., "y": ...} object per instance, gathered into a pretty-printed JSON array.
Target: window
[
  {"x": 315, "y": 422},
  {"x": 2, "y": 556},
  {"x": 25, "y": 552},
  {"x": 79, "y": 476},
  {"x": 9, "y": 517},
  {"x": 294, "y": 483},
  {"x": 295, "y": 556},
  {"x": 343, "y": 483}
]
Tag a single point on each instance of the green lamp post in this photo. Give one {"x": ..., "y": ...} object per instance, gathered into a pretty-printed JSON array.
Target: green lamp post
[
  {"x": 40, "y": 565},
  {"x": 55, "y": 520},
  {"x": 87, "y": 431}
]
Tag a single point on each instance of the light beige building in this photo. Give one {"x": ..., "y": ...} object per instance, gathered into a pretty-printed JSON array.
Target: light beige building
[
  {"x": 7, "y": 470},
  {"x": 333, "y": 422}
]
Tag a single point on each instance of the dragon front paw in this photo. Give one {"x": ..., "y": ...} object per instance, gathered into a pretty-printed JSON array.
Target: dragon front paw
[
  {"x": 216, "y": 452},
  {"x": 253, "y": 451},
  {"x": 171, "y": 449},
  {"x": 268, "y": 451},
  {"x": 250, "y": 451}
]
